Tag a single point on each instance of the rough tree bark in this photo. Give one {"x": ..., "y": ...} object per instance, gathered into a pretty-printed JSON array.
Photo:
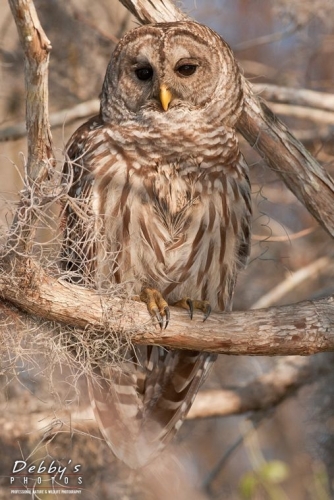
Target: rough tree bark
[{"x": 303, "y": 328}]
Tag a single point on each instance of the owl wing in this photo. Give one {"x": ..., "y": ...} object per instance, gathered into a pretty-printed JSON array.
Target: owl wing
[
  {"x": 140, "y": 403},
  {"x": 79, "y": 221}
]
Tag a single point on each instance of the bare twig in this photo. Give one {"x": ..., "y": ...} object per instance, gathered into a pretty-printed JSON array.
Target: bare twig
[
  {"x": 300, "y": 97},
  {"x": 57, "y": 119},
  {"x": 286, "y": 237},
  {"x": 104, "y": 34},
  {"x": 303, "y": 112},
  {"x": 319, "y": 134},
  {"x": 271, "y": 38},
  {"x": 292, "y": 281}
]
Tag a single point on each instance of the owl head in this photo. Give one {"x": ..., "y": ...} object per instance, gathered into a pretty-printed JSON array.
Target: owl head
[{"x": 171, "y": 68}]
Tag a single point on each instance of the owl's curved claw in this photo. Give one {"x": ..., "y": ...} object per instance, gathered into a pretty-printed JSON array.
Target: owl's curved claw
[
  {"x": 160, "y": 318},
  {"x": 156, "y": 305},
  {"x": 207, "y": 311},
  {"x": 190, "y": 305},
  {"x": 167, "y": 315},
  {"x": 204, "y": 306}
]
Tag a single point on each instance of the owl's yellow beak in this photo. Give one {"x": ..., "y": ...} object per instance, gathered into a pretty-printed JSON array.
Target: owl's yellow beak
[{"x": 165, "y": 96}]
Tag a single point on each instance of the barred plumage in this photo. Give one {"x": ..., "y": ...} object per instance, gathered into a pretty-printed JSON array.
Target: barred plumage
[{"x": 162, "y": 189}]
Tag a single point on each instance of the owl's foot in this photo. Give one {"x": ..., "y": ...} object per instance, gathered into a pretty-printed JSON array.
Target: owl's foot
[
  {"x": 190, "y": 305},
  {"x": 156, "y": 305}
]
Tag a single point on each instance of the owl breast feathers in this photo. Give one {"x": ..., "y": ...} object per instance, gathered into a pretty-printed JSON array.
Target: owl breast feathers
[{"x": 159, "y": 199}]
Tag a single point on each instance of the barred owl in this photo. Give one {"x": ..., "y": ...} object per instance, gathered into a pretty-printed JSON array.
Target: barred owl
[{"x": 159, "y": 199}]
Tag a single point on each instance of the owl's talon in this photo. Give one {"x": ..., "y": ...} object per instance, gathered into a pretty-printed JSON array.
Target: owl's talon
[
  {"x": 156, "y": 305},
  {"x": 204, "y": 306},
  {"x": 167, "y": 316},
  {"x": 159, "y": 319},
  {"x": 190, "y": 305},
  {"x": 207, "y": 312}
]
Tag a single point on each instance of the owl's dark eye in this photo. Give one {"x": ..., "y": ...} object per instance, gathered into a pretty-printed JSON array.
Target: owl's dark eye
[
  {"x": 186, "y": 69},
  {"x": 145, "y": 73}
]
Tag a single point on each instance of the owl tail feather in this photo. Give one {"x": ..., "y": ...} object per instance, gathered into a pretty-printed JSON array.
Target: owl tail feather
[{"x": 140, "y": 405}]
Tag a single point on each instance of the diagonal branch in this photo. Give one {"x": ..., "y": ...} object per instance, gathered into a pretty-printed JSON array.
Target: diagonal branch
[
  {"x": 302, "y": 174},
  {"x": 159, "y": 11}
]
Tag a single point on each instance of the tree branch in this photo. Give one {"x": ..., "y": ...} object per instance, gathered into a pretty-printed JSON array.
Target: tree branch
[
  {"x": 262, "y": 393},
  {"x": 300, "y": 97},
  {"x": 303, "y": 328},
  {"x": 303, "y": 112},
  {"x": 159, "y": 11},
  {"x": 292, "y": 281},
  {"x": 36, "y": 48},
  {"x": 302, "y": 174},
  {"x": 57, "y": 119}
]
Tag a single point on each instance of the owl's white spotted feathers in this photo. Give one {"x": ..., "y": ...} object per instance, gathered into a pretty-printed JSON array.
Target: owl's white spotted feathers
[{"x": 161, "y": 186}]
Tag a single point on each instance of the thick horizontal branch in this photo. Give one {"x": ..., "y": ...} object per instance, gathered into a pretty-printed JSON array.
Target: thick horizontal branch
[{"x": 303, "y": 328}]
